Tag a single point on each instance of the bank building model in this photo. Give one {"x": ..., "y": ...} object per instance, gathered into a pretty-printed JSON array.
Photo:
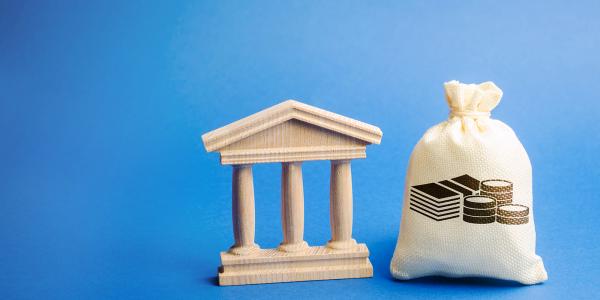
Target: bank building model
[{"x": 289, "y": 133}]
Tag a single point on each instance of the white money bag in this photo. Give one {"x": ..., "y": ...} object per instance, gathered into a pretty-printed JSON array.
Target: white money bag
[{"x": 467, "y": 208}]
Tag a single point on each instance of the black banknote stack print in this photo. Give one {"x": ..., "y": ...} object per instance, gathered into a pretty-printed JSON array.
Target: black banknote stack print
[{"x": 435, "y": 201}]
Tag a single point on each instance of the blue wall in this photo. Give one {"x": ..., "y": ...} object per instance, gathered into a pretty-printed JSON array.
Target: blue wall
[{"x": 106, "y": 190}]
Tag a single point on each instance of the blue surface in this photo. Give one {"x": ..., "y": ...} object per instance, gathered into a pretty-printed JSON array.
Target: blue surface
[{"x": 106, "y": 190}]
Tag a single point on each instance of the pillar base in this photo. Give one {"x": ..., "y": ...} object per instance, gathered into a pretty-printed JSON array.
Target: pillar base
[
  {"x": 338, "y": 245},
  {"x": 243, "y": 250},
  {"x": 301, "y": 246},
  {"x": 315, "y": 263}
]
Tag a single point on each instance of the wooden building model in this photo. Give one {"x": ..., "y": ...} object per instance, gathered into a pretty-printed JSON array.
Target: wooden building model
[{"x": 290, "y": 133}]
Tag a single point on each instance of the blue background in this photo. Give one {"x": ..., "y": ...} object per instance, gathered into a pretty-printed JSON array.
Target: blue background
[{"x": 106, "y": 190}]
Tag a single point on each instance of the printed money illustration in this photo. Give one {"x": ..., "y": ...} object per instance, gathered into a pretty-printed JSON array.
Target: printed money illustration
[{"x": 483, "y": 202}]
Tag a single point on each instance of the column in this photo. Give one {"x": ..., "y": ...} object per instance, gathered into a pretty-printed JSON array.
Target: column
[
  {"x": 292, "y": 207},
  {"x": 340, "y": 205},
  {"x": 243, "y": 210}
]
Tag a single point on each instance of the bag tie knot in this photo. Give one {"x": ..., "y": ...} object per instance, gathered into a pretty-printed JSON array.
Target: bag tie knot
[{"x": 472, "y": 100}]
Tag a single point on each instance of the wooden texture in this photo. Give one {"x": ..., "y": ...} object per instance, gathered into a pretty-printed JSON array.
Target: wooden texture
[
  {"x": 315, "y": 263},
  {"x": 243, "y": 210},
  {"x": 292, "y": 207},
  {"x": 291, "y": 154},
  {"x": 340, "y": 205},
  {"x": 290, "y": 133}
]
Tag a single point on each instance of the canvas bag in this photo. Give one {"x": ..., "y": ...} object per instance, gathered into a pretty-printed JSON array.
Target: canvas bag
[{"x": 467, "y": 208}]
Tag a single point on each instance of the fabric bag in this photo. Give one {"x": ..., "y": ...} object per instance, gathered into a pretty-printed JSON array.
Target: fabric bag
[{"x": 467, "y": 208}]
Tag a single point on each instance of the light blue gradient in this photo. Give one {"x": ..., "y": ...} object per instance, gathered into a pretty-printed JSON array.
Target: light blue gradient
[{"x": 106, "y": 191}]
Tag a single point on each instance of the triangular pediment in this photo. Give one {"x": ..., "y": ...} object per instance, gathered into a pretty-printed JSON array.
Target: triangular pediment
[
  {"x": 294, "y": 133},
  {"x": 290, "y": 109},
  {"x": 291, "y": 131}
]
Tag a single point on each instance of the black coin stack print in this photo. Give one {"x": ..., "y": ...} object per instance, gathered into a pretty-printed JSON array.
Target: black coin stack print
[
  {"x": 479, "y": 209},
  {"x": 506, "y": 212},
  {"x": 435, "y": 201},
  {"x": 501, "y": 190},
  {"x": 512, "y": 214}
]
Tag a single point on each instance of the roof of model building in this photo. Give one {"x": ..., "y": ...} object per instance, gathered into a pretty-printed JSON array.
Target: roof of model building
[{"x": 286, "y": 111}]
